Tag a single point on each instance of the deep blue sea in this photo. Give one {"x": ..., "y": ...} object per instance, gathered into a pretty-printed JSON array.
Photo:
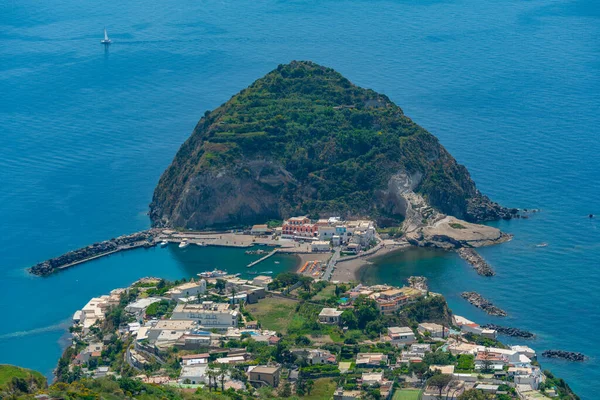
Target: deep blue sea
[{"x": 511, "y": 88}]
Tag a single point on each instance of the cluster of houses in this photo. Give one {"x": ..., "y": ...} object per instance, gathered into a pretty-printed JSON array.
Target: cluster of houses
[
  {"x": 198, "y": 328},
  {"x": 389, "y": 299},
  {"x": 324, "y": 233},
  {"x": 193, "y": 324}
]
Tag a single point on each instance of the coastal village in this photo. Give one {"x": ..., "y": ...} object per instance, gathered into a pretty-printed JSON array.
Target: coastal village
[
  {"x": 298, "y": 333},
  {"x": 315, "y": 332}
]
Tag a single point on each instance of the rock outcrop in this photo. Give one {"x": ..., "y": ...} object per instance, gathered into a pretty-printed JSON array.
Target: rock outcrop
[
  {"x": 514, "y": 332},
  {"x": 565, "y": 355},
  {"x": 478, "y": 301},
  {"x": 418, "y": 282},
  {"x": 305, "y": 140},
  {"x": 450, "y": 233}
]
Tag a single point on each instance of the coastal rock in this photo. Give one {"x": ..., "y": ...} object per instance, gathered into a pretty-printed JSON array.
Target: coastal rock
[
  {"x": 565, "y": 355},
  {"x": 478, "y": 301},
  {"x": 473, "y": 258},
  {"x": 305, "y": 140},
  {"x": 138, "y": 239},
  {"x": 418, "y": 282},
  {"x": 514, "y": 332},
  {"x": 451, "y": 233}
]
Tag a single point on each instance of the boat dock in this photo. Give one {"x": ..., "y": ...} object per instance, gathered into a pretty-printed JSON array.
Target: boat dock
[{"x": 253, "y": 263}]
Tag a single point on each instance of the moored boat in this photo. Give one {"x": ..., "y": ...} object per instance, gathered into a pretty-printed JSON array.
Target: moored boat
[
  {"x": 184, "y": 243},
  {"x": 216, "y": 273}
]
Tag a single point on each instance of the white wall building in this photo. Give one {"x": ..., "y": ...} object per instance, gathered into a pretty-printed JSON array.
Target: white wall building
[
  {"x": 400, "y": 336},
  {"x": 208, "y": 314},
  {"x": 188, "y": 289},
  {"x": 326, "y": 233},
  {"x": 320, "y": 246}
]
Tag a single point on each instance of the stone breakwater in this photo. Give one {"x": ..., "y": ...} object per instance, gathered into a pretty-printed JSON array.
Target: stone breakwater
[
  {"x": 478, "y": 301},
  {"x": 478, "y": 263},
  {"x": 125, "y": 242},
  {"x": 514, "y": 332},
  {"x": 565, "y": 355}
]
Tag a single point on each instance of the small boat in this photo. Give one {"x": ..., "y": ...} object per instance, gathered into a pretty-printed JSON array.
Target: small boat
[
  {"x": 106, "y": 40},
  {"x": 541, "y": 244},
  {"x": 164, "y": 243},
  {"x": 276, "y": 262},
  {"x": 267, "y": 272},
  {"x": 201, "y": 244},
  {"x": 183, "y": 244}
]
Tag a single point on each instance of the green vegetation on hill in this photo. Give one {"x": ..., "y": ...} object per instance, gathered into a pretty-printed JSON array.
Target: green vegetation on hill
[
  {"x": 17, "y": 381},
  {"x": 304, "y": 139}
]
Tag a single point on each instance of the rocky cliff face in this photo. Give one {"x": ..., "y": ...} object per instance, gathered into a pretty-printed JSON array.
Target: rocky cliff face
[{"x": 303, "y": 139}]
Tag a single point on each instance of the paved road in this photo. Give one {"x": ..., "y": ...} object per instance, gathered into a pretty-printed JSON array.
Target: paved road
[{"x": 329, "y": 270}]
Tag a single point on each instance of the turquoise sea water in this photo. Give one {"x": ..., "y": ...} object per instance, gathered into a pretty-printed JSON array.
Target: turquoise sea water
[{"x": 511, "y": 88}]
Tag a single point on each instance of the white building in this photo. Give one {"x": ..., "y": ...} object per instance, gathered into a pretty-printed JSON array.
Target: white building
[
  {"x": 372, "y": 378},
  {"x": 262, "y": 281},
  {"x": 330, "y": 316},
  {"x": 326, "y": 233},
  {"x": 399, "y": 336},
  {"x": 525, "y": 350},
  {"x": 468, "y": 326},
  {"x": 435, "y": 330},
  {"x": 259, "y": 229},
  {"x": 139, "y": 307},
  {"x": 320, "y": 246},
  {"x": 188, "y": 289},
  {"x": 171, "y": 327},
  {"x": 208, "y": 314},
  {"x": 195, "y": 374},
  {"x": 96, "y": 308}
]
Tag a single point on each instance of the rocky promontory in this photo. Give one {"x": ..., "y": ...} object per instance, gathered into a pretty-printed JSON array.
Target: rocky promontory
[
  {"x": 449, "y": 233},
  {"x": 514, "y": 332},
  {"x": 565, "y": 355},
  {"x": 478, "y": 301},
  {"x": 125, "y": 242}
]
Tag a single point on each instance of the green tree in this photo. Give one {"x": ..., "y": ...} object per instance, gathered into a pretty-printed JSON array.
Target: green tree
[
  {"x": 287, "y": 390},
  {"x": 349, "y": 319},
  {"x": 474, "y": 394},
  {"x": 439, "y": 382},
  {"x": 220, "y": 285},
  {"x": 309, "y": 385}
]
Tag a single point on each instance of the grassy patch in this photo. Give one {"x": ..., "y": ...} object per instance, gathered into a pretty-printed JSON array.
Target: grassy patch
[
  {"x": 7, "y": 372},
  {"x": 407, "y": 394},
  {"x": 456, "y": 225},
  {"x": 325, "y": 293},
  {"x": 276, "y": 313},
  {"x": 323, "y": 389}
]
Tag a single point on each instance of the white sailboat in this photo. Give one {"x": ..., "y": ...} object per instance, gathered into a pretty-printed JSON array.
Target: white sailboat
[{"x": 106, "y": 40}]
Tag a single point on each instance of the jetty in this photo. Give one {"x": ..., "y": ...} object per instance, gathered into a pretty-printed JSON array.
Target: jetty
[
  {"x": 478, "y": 301},
  {"x": 147, "y": 238},
  {"x": 253, "y": 263},
  {"x": 479, "y": 264}
]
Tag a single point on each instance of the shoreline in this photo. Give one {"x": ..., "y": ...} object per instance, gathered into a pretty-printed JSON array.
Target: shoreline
[
  {"x": 350, "y": 269},
  {"x": 151, "y": 238}
]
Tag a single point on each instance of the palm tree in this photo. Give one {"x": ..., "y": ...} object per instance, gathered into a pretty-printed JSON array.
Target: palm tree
[
  {"x": 233, "y": 297},
  {"x": 212, "y": 374},
  {"x": 223, "y": 369}
]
